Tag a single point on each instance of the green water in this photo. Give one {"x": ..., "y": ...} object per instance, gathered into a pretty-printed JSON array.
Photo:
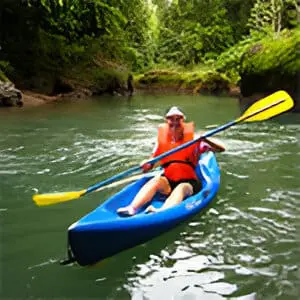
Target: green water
[{"x": 246, "y": 245}]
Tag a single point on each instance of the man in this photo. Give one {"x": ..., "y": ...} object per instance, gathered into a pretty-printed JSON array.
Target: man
[{"x": 179, "y": 179}]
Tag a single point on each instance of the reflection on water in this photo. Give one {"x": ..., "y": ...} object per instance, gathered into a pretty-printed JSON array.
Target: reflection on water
[{"x": 244, "y": 246}]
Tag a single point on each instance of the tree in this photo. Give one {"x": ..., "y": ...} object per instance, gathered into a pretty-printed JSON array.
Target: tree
[
  {"x": 271, "y": 16},
  {"x": 193, "y": 31}
]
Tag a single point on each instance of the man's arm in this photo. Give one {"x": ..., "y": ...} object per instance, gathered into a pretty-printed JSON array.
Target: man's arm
[{"x": 214, "y": 143}]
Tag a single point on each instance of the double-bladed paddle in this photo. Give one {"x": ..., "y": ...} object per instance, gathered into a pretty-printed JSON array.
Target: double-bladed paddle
[{"x": 261, "y": 110}]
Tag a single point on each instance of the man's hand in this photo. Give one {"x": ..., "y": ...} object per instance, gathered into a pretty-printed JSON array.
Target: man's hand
[
  {"x": 216, "y": 144},
  {"x": 146, "y": 166}
]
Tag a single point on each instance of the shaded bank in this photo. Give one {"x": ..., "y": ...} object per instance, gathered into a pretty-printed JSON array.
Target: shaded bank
[
  {"x": 90, "y": 79},
  {"x": 95, "y": 80}
]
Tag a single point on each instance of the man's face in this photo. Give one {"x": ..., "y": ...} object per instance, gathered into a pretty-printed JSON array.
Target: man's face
[{"x": 175, "y": 121}]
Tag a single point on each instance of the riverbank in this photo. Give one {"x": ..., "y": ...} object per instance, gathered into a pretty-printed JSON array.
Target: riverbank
[
  {"x": 162, "y": 82},
  {"x": 35, "y": 99},
  {"x": 153, "y": 82},
  {"x": 31, "y": 98},
  {"x": 199, "y": 82}
]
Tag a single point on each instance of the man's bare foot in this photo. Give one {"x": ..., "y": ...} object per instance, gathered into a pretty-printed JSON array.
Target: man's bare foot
[
  {"x": 127, "y": 211},
  {"x": 151, "y": 209}
]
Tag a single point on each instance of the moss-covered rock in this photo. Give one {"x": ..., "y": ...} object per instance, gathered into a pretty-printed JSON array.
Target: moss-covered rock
[
  {"x": 272, "y": 64},
  {"x": 200, "y": 81}
]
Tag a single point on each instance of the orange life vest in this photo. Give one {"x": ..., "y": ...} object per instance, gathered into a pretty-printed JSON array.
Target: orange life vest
[{"x": 181, "y": 164}]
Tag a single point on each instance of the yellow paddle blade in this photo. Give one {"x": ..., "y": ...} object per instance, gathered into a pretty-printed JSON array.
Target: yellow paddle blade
[
  {"x": 268, "y": 107},
  {"x": 48, "y": 199}
]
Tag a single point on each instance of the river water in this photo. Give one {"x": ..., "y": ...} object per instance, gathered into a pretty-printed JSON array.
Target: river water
[{"x": 245, "y": 245}]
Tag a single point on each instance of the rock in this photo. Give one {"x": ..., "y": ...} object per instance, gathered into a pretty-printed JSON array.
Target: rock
[
  {"x": 9, "y": 95},
  {"x": 271, "y": 66}
]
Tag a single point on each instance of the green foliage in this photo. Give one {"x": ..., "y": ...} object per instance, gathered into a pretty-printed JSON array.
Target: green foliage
[
  {"x": 189, "y": 36},
  {"x": 271, "y": 16},
  {"x": 56, "y": 34},
  {"x": 55, "y": 51},
  {"x": 5, "y": 68},
  {"x": 229, "y": 62},
  {"x": 61, "y": 36},
  {"x": 2, "y": 76},
  {"x": 76, "y": 18},
  {"x": 104, "y": 79},
  {"x": 238, "y": 13},
  {"x": 260, "y": 52}
]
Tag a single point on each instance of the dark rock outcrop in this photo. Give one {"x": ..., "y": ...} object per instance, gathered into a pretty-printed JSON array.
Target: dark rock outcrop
[{"x": 255, "y": 86}]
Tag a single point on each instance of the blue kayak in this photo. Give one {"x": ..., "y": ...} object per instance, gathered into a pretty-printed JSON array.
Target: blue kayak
[{"x": 103, "y": 233}]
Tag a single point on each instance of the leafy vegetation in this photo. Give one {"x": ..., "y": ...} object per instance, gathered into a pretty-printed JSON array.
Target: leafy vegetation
[
  {"x": 4, "y": 67},
  {"x": 97, "y": 41}
]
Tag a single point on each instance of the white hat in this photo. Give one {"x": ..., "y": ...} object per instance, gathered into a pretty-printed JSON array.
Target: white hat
[{"x": 174, "y": 111}]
